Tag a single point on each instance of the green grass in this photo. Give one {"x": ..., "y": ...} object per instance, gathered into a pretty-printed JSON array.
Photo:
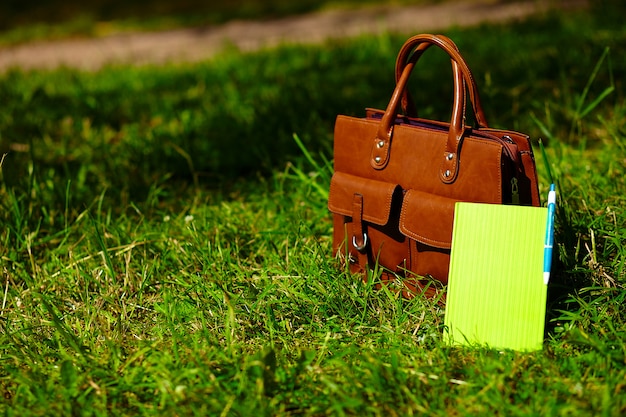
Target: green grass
[{"x": 165, "y": 241}]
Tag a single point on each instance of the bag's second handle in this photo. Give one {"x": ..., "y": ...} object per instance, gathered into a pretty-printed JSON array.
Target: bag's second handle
[
  {"x": 411, "y": 54},
  {"x": 461, "y": 74}
]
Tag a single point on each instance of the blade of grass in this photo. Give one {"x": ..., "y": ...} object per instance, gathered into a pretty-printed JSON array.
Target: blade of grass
[
  {"x": 581, "y": 112},
  {"x": 544, "y": 129},
  {"x": 65, "y": 333},
  {"x": 321, "y": 171},
  {"x": 106, "y": 257},
  {"x": 546, "y": 161}
]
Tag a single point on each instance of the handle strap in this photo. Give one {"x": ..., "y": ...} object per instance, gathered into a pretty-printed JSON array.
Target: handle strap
[
  {"x": 461, "y": 75},
  {"x": 405, "y": 56}
]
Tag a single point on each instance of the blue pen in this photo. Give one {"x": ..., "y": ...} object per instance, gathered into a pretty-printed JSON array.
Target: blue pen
[{"x": 549, "y": 242}]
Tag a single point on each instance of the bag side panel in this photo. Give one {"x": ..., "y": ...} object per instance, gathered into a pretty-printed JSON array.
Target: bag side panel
[{"x": 527, "y": 177}]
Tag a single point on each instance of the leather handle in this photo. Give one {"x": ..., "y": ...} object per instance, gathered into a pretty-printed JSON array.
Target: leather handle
[
  {"x": 412, "y": 53},
  {"x": 461, "y": 75}
]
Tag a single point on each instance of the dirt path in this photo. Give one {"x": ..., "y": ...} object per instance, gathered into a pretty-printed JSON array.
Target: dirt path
[{"x": 199, "y": 44}]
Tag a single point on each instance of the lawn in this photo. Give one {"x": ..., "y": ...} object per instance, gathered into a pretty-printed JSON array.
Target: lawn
[{"x": 166, "y": 246}]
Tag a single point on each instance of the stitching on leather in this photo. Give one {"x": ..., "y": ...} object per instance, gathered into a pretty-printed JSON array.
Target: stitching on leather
[{"x": 424, "y": 239}]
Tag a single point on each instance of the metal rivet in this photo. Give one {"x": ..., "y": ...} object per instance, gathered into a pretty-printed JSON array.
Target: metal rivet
[
  {"x": 378, "y": 159},
  {"x": 380, "y": 143},
  {"x": 450, "y": 156},
  {"x": 447, "y": 173}
]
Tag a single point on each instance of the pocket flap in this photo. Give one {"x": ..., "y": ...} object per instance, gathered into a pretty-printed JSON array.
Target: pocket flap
[
  {"x": 427, "y": 218},
  {"x": 377, "y": 197}
]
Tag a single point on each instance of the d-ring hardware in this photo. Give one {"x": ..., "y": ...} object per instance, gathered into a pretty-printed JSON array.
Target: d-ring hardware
[{"x": 358, "y": 247}]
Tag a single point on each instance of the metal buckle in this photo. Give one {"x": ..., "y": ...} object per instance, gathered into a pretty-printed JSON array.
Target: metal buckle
[{"x": 360, "y": 248}]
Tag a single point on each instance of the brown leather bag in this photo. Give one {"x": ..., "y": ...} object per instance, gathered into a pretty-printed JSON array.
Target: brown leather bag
[{"x": 397, "y": 177}]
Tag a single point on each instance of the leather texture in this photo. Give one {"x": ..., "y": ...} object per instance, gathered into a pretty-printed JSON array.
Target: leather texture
[{"x": 397, "y": 177}]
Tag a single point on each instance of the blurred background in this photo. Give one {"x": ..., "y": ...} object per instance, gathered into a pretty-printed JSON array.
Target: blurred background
[{"x": 160, "y": 13}]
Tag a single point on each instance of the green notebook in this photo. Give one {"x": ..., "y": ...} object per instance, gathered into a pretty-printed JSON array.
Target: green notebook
[{"x": 496, "y": 293}]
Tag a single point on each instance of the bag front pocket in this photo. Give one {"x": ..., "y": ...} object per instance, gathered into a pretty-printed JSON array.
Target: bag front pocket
[
  {"x": 366, "y": 216},
  {"x": 427, "y": 220}
]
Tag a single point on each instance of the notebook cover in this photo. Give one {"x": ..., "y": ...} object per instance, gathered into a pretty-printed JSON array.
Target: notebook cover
[{"x": 496, "y": 294}]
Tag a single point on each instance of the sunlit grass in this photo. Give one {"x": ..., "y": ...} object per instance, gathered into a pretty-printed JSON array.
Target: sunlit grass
[{"x": 166, "y": 247}]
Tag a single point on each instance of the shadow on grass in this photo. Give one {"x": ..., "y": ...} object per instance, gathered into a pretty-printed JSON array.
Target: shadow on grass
[{"x": 231, "y": 119}]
